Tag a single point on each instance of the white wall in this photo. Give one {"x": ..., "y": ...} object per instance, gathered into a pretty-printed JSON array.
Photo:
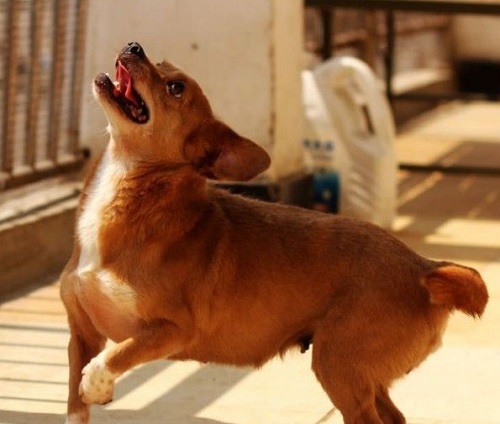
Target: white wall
[{"x": 246, "y": 55}]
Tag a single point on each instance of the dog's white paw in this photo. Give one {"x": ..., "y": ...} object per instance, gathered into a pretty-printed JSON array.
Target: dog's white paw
[{"x": 97, "y": 381}]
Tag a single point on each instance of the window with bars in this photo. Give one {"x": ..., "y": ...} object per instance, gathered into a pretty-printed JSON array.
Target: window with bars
[{"x": 41, "y": 66}]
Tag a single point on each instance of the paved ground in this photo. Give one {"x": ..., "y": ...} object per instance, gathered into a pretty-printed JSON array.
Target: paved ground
[{"x": 447, "y": 217}]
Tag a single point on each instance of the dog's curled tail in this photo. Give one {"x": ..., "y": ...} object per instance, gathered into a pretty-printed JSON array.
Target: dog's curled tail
[{"x": 457, "y": 287}]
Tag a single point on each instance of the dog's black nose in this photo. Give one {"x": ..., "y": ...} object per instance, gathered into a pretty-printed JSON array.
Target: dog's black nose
[{"x": 135, "y": 48}]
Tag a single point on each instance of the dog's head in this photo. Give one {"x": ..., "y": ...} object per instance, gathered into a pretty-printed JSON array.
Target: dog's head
[{"x": 158, "y": 114}]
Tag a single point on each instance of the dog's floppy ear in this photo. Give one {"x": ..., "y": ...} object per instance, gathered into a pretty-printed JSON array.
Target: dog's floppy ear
[{"x": 217, "y": 152}]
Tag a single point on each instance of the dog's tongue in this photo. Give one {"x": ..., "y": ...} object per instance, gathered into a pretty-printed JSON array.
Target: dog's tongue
[{"x": 125, "y": 87}]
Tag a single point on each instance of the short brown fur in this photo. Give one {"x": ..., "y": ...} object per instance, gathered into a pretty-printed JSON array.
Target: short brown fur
[{"x": 169, "y": 266}]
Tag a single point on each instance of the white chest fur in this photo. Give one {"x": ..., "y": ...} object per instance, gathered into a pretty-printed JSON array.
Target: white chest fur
[
  {"x": 100, "y": 193},
  {"x": 116, "y": 297}
]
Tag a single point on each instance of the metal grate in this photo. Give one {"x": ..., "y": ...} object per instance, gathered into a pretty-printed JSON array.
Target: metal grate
[
  {"x": 362, "y": 32},
  {"x": 40, "y": 88}
]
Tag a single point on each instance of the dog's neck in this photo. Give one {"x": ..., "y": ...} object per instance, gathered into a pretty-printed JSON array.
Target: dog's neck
[{"x": 150, "y": 201}]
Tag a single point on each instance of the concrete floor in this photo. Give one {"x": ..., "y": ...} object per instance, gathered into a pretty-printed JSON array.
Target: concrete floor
[
  {"x": 455, "y": 134},
  {"x": 442, "y": 216}
]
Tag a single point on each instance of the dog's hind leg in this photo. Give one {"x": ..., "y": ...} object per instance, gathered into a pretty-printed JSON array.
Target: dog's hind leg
[
  {"x": 352, "y": 396},
  {"x": 347, "y": 387},
  {"x": 347, "y": 359},
  {"x": 388, "y": 412}
]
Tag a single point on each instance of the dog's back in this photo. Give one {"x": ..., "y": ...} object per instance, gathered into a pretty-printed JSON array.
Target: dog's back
[{"x": 302, "y": 266}]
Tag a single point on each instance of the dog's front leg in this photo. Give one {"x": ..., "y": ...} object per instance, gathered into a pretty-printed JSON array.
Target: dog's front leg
[
  {"x": 153, "y": 341},
  {"x": 85, "y": 343}
]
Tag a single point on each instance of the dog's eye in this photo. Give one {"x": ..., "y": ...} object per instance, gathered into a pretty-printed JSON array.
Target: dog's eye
[{"x": 176, "y": 88}]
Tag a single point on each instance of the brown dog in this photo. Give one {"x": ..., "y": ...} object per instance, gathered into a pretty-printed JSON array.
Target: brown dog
[{"x": 170, "y": 267}]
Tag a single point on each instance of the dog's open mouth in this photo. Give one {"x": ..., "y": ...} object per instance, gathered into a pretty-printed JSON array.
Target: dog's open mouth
[{"x": 127, "y": 97}]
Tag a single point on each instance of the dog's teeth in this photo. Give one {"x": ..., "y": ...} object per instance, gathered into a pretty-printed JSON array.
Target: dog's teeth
[{"x": 137, "y": 113}]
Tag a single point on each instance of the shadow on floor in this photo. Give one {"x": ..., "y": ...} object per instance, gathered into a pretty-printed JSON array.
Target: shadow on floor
[
  {"x": 181, "y": 403},
  {"x": 17, "y": 417},
  {"x": 480, "y": 154},
  {"x": 434, "y": 199}
]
